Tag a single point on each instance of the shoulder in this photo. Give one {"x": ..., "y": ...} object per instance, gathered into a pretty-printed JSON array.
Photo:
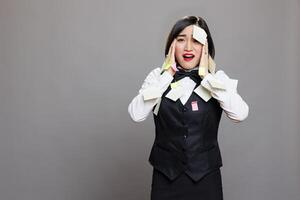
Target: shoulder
[
  {"x": 221, "y": 73},
  {"x": 154, "y": 73},
  {"x": 230, "y": 82}
]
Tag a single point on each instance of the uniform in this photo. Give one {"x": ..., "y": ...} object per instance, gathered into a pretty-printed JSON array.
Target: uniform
[{"x": 185, "y": 155}]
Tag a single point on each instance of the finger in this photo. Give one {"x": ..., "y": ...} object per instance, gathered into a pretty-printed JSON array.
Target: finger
[
  {"x": 170, "y": 49},
  {"x": 173, "y": 51}
]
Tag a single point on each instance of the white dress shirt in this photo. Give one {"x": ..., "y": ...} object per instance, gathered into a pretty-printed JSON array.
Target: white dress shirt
[{"x": 156, "y": 84}]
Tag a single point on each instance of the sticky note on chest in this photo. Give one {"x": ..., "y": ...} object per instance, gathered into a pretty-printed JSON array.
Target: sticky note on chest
[
  {"x": 203, "y": 93},
  {"x": 174, "y": 85},
  {"x": 175, "y": 93}
]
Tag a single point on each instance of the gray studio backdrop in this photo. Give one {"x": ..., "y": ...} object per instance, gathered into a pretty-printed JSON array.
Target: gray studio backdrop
[{"x": 69, "y": 68}]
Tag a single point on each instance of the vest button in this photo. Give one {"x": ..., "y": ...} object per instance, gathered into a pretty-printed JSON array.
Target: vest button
[
  {"x": 184, "y": 109},
  {"x": 185, "y": 136}
]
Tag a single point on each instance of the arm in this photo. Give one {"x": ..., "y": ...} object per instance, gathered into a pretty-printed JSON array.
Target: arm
[
  {"x": 231, "y": 102},
  {"x": 142, "y": 104}
]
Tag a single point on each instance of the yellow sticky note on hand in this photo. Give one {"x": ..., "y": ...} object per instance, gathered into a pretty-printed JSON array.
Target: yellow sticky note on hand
[
  {"x": 202, "y": 71},
  {"x": 167, "y": 64}
]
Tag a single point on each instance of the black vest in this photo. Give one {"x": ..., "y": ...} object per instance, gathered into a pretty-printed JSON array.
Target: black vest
[{"x": 186, "y": 140}]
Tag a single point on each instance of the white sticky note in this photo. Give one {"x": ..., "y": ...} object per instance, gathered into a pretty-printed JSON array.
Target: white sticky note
[
  {"x": 188, "y": 84},
  {"x": 175, "y": 93},
  {"x": 216, "y": 84},
  {"x": 203, "y": 93},
  {"x": 151, "y": 93},
  {"x": 206, "y": 85},
  {"x": 199, "y": 34}
]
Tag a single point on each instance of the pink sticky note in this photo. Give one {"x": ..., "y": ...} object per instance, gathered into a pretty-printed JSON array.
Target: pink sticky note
[
  {"x": 194, "y": 105},
  {"x": 174, "y": 67}
]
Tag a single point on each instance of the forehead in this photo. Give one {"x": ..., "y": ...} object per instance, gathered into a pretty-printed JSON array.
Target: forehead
[{"x": 187, "y": 31}]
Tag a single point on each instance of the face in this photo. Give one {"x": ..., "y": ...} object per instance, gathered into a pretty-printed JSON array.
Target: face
[{"x": 187, "y": 49}]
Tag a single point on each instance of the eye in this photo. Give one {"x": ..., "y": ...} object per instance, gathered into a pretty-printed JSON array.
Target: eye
[
  {"x": 196, "y": 41},
  {"x": 180, "y": 39}
]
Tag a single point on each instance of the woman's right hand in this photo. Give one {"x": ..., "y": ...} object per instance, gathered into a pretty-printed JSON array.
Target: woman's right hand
[
  {"x": 171, "y": 71},
  {"x": 171, "y": 56}
]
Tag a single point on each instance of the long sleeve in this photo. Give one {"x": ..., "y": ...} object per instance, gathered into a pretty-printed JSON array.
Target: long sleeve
[
  {"x": 152, "y": 89},
  {"x": 231, "y": 102}
]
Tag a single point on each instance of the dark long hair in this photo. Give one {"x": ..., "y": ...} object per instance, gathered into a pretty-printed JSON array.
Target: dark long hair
[{"x": 184, "y": 22}]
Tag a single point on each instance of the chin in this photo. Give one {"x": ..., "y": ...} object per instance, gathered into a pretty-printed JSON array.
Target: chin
[{"x": 188, "y": 66}]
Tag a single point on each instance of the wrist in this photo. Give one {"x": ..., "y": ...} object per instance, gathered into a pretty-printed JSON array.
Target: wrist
[{"x": 171, "y": 71}]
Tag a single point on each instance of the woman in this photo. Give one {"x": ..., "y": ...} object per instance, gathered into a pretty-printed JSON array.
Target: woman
[{"x": 187, "y": 98}]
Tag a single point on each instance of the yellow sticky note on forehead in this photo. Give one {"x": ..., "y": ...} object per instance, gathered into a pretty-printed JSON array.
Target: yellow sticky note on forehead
[{"x": 199, "y": 34}]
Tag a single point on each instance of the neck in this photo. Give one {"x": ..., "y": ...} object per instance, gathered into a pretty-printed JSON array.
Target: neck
[{"x": 188, "y": 70}]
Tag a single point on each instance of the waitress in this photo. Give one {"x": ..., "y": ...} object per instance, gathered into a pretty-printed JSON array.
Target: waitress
[{"x": 187, "y": 98}]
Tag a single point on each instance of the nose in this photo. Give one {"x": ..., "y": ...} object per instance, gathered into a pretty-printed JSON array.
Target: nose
[{"x": 188, "y": 45}]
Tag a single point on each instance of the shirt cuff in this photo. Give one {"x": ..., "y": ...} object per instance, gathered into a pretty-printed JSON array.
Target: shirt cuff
[{"x": 156, "y": 90}]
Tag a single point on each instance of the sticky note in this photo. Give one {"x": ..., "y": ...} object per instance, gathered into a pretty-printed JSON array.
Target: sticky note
[
  {"x": 151, "y": 93},
  {"x": 194, "y": 105},
  {"x": 167, "y": 63},
  {"x": 199, "y": 34},
  {"x": 174, "y": 67},
  {"x": 216, "y": 84},
  {"x": 174, "y": 85},
  {"x": 175, "y": 93},
  {"x": 206, "y": 85},
  {"x": 202, "y": 71},
  {"x": 211, "y": 64},
  {"x": 203, "y": 93}
]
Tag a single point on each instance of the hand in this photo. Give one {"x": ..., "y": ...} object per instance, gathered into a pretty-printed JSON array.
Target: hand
[{"x": 170, "y": 63}]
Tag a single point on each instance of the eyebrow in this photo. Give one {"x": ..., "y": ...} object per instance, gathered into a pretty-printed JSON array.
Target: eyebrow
[{"x": 182, "y": 35}]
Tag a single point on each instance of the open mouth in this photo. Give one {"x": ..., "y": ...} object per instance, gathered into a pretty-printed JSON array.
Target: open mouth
[{"x": 188, "y": 57}]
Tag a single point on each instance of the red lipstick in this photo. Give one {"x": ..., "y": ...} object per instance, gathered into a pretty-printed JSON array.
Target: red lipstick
[{"x": 188, "y": 57}]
